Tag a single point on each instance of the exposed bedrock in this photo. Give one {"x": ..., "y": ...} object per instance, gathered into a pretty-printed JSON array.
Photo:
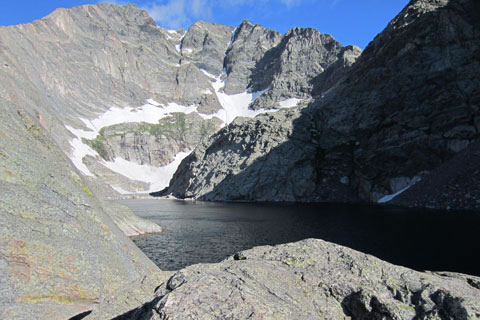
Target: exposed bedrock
[{"x": 311, "y": 279}]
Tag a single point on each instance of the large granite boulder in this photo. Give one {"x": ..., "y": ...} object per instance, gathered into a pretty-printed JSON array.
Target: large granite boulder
[{"x": 311, "y": 279}]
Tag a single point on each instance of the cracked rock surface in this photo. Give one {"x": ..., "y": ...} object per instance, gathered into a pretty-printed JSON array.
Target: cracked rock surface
[{"x": 311, "y": 279}]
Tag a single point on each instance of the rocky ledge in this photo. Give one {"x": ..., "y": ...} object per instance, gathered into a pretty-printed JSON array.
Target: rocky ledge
[{"x": 311, "y": 279}]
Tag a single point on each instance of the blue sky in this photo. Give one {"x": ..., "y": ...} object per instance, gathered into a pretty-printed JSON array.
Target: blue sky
[{"x": 349, "y": 21}]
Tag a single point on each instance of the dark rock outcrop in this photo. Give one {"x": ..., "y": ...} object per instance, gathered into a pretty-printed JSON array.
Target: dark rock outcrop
[
  {"x": 311, "y": 279},
  {"x": 452, "y": 186},
  {"x": 296, "y": 66},
  {"x": 205, "y": 44}
]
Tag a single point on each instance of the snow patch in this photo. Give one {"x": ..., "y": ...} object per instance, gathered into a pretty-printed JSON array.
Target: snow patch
[
  {"x": 236, "y": 105},
  {"x": 153, "y": 102},
  {"x": 178, "y": 46},
  {"x": 232, "y": 39},
  {"x": 150, "y": 113},
  {"x": 81, "y": 150},
  {"x": 207, "y": 91},
  {"x": 172, "y": 31},
  {"x": 157, "y": 177},
  {"x": 188, "y": 50},
  {"x": 390, "y": 197},
  {"x": 289, "y": 103},
  {"x": 123, "y": 191}
]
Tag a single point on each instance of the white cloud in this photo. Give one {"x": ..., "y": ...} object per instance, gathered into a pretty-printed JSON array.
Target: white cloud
[
  {"x": 172, "y": 14},
  {"x": 175, "y": 14},
  {"x": 179, "y": 13}
]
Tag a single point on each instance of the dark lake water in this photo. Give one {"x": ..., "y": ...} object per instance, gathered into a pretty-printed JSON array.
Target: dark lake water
[{"x": 197, "y": 232}]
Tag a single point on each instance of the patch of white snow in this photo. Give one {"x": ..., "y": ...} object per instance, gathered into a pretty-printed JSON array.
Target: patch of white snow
[
  {"x": 390, "y": 197},
  {"x": 157, "y": 177},
  {"x": 188, "y": 50},
  {"x": 178, "y": 46},
  {"x": 149, "y": 113},
  {"x": 153, "y": 102},
  {"x": 289, "y": 103},
  {"x": 79, "y": 151},
  {"x": 236, "y": 105},
  {"x": 123, "y": 191}
]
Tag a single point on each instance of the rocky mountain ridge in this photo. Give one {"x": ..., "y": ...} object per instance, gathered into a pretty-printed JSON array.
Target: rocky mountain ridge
[
  {"x": 100, "y": 68},
  {"x": 408, "y": 104}
]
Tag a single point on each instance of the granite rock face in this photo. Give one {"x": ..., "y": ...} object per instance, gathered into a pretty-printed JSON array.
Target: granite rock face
[
  {"x": 153, "y": 144},
  {"x": 61, "y": 252},
  {"x": 295, "y": 67},
  {"x": 311, "y": 279},
  {"x": 205, "y": 44},
  {"x": 250, "y": 44},
  {"x": 414, "y": 94},
  {"x": 407, "y": 105},
  {"x": 265, "y": 159},
  {"x": 283, "y": 67}
]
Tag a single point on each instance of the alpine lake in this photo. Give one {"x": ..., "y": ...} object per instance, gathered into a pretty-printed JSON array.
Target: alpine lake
[{"x": 208, "y": 232}]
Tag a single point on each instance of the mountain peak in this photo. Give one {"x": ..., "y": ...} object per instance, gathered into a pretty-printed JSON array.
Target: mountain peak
[{"x": 101, "y": 14}]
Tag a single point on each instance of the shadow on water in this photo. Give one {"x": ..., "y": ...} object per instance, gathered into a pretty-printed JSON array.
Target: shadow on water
[{"x": 205, "y": 232}]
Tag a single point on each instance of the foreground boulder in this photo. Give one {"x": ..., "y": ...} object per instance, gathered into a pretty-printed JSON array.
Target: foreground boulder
[{"x": 311, "y": 279}]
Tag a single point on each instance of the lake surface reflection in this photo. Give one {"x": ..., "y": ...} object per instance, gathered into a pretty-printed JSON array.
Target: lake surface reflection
[{"x": 197, "y": 232}]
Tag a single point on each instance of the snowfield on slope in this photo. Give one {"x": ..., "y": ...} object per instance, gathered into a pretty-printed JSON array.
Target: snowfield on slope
[{"x": 233, "y": 106}]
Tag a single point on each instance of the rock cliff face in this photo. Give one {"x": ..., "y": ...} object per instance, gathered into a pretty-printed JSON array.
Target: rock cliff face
[
  {"x": 153, "y": 144},
  {"x": 311, "y": 279},
  {"x": 61, "y": 252},
  {"x": 407, "y": 105}
]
